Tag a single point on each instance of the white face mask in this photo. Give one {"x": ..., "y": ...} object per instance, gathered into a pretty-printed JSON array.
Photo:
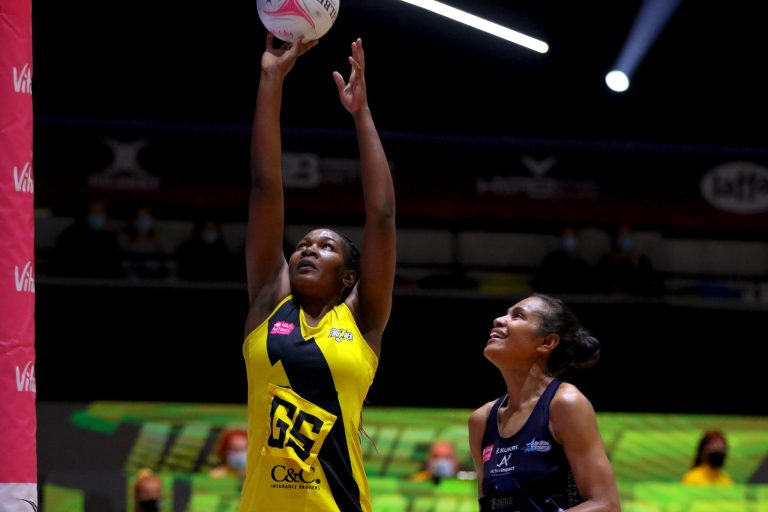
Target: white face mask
[
  {"x": 442, "y": 467},
  {"x": 236, "y": 460}
]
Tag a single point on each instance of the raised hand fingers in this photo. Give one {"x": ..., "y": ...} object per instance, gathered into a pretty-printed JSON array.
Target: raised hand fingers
[
  {"x": 340, "y": 85},
  {"x": 357, "y": 69},
  {"x": 304, "y": 46},
  {"x": 358, "y": 54}
]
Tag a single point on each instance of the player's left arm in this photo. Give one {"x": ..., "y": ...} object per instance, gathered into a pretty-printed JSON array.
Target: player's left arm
[
  {"x": 371, "y": 301},
  {"x": 574, "y": 424}
]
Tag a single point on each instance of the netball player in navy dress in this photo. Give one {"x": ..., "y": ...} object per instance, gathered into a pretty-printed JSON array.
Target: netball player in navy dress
[{"x": 538, "y": 448}]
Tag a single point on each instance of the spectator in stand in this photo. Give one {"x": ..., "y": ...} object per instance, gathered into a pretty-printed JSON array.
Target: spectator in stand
[
  {"x": 564, "y": 270},
  {"x": 205, "y": 255},
  {"x": 147, "y": 491},
  {"x": 441, "y": 463},
  {"x": 88, "y": 247},
  {"x": 231, "y": 451},
  {"x": 145, "y": 255},
  {"x": 624, "y": 270},
  {"x": 707, "y": 468}
]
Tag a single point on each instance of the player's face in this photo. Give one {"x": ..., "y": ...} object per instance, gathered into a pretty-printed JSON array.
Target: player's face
[
  {"x": 318, "y": 264},
  {"x": 515, "y": 335}
]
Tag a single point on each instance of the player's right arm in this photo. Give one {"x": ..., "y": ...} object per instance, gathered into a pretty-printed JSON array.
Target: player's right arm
[{"x": 266, "y": 268}]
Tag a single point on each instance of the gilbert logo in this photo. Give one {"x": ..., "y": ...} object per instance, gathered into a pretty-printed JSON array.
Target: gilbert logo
[
  {"x": 22, "y": 80},
  {"x": 22, "y": 178},
  {"x": 25, "y": 278},
  {"x": 25, "y": 378},
  {"x": 283, "y": 328}
]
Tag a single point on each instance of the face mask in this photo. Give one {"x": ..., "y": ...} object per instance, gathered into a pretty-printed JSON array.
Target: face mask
[
  {"x": 149, "y": 505},
  {"x": 568, "y": 243},
  {"x": 209, "y": 236},
  {"x": 716, "y": 459},
  {"x": 236, "y": 460},
  {"x": 143, "y": 224},
  {"x": 626, "y": 243},
  {"x": 442, "y": 467},
  {"x": 96, "y": 221}
]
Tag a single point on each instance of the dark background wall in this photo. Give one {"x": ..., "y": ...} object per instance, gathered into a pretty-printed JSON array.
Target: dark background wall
[
  {"x": 454, "y": 107},
  {"x": 147, "y": 343}
]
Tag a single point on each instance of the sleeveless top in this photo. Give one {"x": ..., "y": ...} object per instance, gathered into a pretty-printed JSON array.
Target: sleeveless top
[
  {"x": 529, "y": 470},
  {"x": 306, "y": 387}
]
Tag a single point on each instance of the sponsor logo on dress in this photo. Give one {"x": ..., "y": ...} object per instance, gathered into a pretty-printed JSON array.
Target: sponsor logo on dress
[
  {"x": 284, "y": 477},
  {"x": 340, "y": 334},
  {"x": 537, "y": 446},
  {"x": 283, "y": 328},
  {"x": 487, "y": 453}
]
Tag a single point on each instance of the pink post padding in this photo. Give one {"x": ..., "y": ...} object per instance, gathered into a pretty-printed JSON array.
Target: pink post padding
[{"x": 18, "y": 423}]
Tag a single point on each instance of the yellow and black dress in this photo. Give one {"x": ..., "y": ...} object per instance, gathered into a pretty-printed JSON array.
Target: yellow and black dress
[{"x": 306, "y": 387}]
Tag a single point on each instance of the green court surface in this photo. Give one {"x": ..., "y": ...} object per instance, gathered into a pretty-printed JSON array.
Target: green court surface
[{"x": 649, "y": 454}]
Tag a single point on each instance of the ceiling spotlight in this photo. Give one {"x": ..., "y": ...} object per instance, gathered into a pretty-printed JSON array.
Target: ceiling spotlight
[{"x": 617, "y": 81}]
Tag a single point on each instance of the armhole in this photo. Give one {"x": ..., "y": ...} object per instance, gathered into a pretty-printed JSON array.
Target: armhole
[
  {"x": 372, "y": 354},
  {"x": 264, "y": 323}
]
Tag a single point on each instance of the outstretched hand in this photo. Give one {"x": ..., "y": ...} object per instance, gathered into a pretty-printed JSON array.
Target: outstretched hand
[
  {"x": 352, "y": 94},
  {"x": 284, "y": 57}
]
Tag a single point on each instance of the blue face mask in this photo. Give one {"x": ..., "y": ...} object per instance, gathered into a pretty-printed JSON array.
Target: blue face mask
[
  {"x": 626, "y": 243},
  {"x": 96, "y": 221},
  {"x": 144, "y": 224},
  {"x": 569, "y": 243}
]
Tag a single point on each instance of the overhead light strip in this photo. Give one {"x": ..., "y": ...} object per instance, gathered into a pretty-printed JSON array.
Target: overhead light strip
[{"x": 481, "y": 24}]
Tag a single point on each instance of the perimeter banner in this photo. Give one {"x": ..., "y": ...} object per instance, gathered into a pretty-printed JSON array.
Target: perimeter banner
[{"x": 18, "y": 422}]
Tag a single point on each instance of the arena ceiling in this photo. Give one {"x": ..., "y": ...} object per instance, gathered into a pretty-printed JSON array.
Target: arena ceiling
[{"x": 701, "y": 81}]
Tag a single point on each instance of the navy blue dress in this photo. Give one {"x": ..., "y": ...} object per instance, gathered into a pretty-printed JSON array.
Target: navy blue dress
[{"x": 527, "y": 472}]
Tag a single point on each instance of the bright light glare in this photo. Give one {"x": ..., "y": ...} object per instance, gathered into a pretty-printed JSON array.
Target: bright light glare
[
  {"x": 617, "y": 81},
  {"x": 481, "y": 24}
]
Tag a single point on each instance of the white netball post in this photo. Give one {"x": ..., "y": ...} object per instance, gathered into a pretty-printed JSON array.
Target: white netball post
[{"x": 18, "y": 422}]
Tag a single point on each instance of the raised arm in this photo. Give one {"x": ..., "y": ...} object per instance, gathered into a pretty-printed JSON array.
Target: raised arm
[
  {"x": 371, "y": 301},
  {"x": 267, "y": 272}
]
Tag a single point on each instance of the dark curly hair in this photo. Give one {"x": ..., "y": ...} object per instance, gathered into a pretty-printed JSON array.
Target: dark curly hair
[{"x": 577, "y": 347}]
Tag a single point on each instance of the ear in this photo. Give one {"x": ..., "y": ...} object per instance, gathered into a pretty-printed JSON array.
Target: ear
[
  {"x": 549, "y": 342},
  {"x": 349, "y": 278}
]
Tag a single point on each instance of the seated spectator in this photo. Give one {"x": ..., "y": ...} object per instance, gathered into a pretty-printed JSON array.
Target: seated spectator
[
  {"x": 707, "y": 468},
  {"x": 564, "y": 270},
  {"x": 624, "y": 270},
  {"x": 145, "y": 255},
  {"x": 147, "y": 491},
  {"x": 88, "y": 247},
  {"x": 231, "y": 451},
  {"x": 205, "y": 255},
  {"x": 441, "y": 462}
]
